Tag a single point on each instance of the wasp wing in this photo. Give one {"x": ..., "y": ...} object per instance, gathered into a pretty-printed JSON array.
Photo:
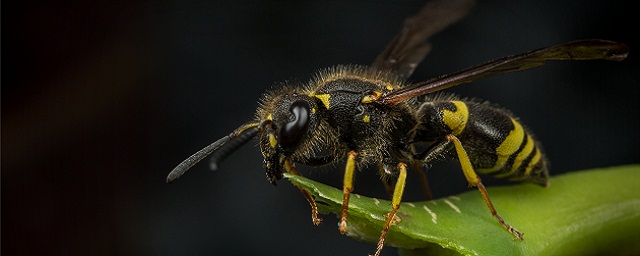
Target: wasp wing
[
  {"x": 576, "y": 50},
  {"x": 409, "y": 47}
]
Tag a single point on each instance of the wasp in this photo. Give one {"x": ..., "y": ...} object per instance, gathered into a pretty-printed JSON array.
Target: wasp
[{"x": 371, "y": 116}]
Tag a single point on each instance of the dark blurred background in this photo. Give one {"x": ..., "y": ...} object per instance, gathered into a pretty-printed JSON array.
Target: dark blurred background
[{"x": 101, "y": 99}]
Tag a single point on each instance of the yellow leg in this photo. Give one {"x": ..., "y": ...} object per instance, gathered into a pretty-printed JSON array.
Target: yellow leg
[
  {"x": 474, "y": 180},
  {"x": 347, "y": 188},
  {"x": 314, "y": 208},
  {"x": 395, "y": 205}
]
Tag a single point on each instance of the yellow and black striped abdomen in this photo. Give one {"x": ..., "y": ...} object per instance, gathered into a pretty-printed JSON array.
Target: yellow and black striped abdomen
[{"x": 495, "y": 141}]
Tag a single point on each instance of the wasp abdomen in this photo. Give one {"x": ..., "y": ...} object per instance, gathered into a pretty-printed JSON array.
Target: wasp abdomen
[{"x": 495, "y": 141}]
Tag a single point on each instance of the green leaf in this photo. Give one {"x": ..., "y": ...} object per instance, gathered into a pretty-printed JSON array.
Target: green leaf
[{"x": 588, "y": 212}]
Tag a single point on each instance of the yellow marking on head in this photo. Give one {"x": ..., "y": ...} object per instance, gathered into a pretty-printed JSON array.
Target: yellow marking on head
[
  {"x": 389, "y": 87},
  {"x": 270, "y": 117},
  {"x": 456, "y": 120},
  {"x": 313, "y": 110},
  {"x": 324, "y": 98},
  {"x": 371, "y": 97},
  {"x": 273, "y": 142},
  {"x": 366, "y": 118}
]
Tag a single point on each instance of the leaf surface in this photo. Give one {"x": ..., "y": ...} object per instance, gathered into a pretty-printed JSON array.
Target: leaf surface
[{"x": 587, "y": 212}]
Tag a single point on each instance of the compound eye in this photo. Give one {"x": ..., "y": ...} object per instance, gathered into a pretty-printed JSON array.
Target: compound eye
[{"x": 292, "y": 132}]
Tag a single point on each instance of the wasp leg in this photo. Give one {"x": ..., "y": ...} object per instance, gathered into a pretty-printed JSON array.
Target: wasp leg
[
  {"x": 422, "y": 176},
  {"x": 424, "y": 181},
  {"x": 437, "y": 149},
  {"x": 395, "y": 204},
  {"x": 474, "y": 180},
  {"x": 388, "y": 187},
  {"x": 386, "y": 170},
  {"x": 314, "y": 207},
  {"x": 346, "y": 189}
]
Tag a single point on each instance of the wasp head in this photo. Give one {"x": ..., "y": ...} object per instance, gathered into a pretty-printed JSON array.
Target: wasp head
[{"x": 293, "y": 118}]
